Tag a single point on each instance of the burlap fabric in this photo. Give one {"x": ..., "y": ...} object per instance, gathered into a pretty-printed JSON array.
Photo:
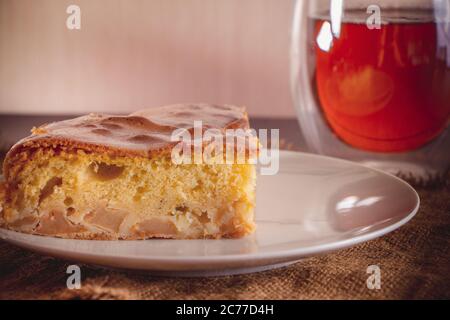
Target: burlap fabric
[{"x": 414, "y": 262}]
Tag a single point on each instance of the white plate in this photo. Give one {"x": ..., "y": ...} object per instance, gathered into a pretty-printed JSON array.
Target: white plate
[{"x": 314, "y": 205}]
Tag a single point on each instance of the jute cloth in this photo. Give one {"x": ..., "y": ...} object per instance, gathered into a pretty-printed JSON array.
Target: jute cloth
[{"x": 414, "y": 263}]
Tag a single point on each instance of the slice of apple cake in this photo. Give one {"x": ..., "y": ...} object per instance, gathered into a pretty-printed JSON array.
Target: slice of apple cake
[{"x": 113, "y": 177}]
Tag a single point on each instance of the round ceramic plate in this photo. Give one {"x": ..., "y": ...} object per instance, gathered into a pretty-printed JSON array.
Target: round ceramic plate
[{"x": 313, "y": 205}]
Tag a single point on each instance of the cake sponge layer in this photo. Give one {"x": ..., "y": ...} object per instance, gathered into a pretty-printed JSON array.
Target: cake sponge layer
[{"x": 78, "y": 194}]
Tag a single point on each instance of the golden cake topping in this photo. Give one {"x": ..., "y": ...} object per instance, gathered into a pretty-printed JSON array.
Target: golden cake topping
[{"x": 141, "y": 133}]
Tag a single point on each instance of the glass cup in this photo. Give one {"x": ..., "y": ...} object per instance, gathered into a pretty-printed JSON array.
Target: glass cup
[{"x": 371, "y": 82}]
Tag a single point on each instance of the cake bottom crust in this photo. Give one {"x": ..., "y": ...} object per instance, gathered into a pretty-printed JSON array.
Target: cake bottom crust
[{"x": 55, "y": 224}]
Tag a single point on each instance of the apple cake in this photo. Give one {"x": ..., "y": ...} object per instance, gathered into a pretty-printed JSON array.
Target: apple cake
[{"x": 112, "y": 177}]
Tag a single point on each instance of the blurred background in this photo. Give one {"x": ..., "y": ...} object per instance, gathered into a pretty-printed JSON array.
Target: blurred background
[{"x": 133, "y": 54}]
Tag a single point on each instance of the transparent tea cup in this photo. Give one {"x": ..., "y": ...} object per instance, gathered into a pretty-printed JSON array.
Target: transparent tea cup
[{"x": 371, "y": 82}]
